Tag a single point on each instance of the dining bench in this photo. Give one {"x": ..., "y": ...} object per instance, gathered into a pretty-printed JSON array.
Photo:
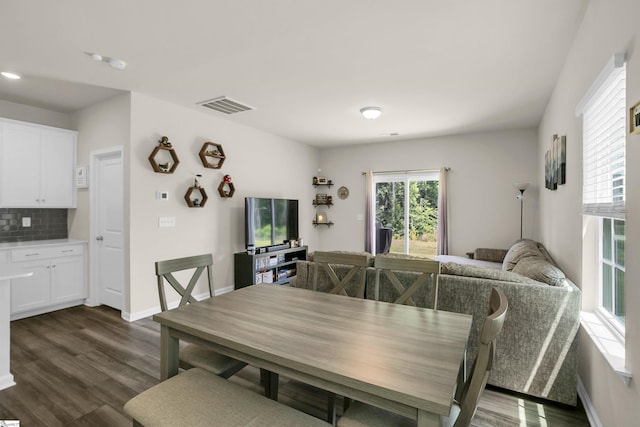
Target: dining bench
[{"x": 199, "y": 398}]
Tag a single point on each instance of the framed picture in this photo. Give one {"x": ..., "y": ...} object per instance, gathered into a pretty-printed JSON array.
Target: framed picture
[{"x": 634, "y": 119}]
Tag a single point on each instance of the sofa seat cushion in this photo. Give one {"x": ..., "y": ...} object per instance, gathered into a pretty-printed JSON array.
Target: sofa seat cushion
[
  {"x": 455, "y": 269},
  {"x": 538, "y": 268},
  {"x": 520, "y": 250}
]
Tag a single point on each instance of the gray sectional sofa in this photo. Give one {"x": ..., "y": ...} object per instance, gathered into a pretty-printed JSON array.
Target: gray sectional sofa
[{"x": 536, "y": 352}]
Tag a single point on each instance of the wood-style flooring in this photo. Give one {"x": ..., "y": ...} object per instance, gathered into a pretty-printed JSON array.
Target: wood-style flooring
[{"x": 77, "y": 367}]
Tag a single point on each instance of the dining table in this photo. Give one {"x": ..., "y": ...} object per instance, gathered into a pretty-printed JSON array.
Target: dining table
[{"x": 400, "y": 358}]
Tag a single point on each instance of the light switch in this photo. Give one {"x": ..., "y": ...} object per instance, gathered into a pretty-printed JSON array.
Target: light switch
[
  {"x": 167, "y": 221},
  {"x": 26, "y": 221}
]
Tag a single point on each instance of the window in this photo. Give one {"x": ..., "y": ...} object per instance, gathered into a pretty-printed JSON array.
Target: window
[
  {"x": 407, "y": 203},
  {"x": 604, "y": 135}
]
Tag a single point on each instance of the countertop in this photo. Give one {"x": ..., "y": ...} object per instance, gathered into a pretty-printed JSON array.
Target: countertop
[{"x": 39, "y": 243}]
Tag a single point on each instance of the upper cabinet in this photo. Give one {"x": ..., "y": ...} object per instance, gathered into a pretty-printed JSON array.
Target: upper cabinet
[{"x": 38, "y": 165}]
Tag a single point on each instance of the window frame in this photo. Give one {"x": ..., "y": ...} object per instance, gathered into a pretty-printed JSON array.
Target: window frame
[{"x": 607, "y": 316}]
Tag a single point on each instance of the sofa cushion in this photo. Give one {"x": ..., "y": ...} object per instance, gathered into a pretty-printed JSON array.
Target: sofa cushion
[
  {"x": 519, "y": 250},
  {"x": 455, "y": 269},
  {"x": 488, "y": 254},
  {"x": 538, "y": 268}
]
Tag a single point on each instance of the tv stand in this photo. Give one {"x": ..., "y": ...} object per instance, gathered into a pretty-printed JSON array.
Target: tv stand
[{"x": 275, "y": 266}]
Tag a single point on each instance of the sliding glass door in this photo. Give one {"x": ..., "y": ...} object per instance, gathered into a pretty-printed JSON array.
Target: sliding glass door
[{"x": 406, "y": 207}]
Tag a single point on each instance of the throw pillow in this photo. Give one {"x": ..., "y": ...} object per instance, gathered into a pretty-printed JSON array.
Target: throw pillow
[
  {"x": 519, "y": 250},
  {"x": 538, "y": 268}
]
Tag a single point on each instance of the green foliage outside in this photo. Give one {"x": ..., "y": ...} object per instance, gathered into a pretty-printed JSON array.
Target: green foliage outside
[{"x": 423, "y": 211}]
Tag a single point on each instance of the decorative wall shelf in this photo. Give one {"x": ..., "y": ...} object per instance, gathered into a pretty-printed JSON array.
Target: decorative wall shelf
[
  {"x": 192, "y": 199},
  {"x": 163, "y": 158},
  {"x": 226, "y": 189},
  {"x": 212, "y": 155},
  {"x": 328, "y": 224},
  {"x": 320, "y": 181}
]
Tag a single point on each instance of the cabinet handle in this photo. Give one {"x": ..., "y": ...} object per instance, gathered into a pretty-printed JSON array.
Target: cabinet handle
[
  {"x": 32, "y": 254},
  {"x": 53, "y": 266},
  {"x": 99, "y": 238},
  {"x": 67, "y": 250}
]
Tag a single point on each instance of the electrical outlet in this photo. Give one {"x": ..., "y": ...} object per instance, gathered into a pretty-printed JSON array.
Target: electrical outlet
[{"x": 26, "y": 221}]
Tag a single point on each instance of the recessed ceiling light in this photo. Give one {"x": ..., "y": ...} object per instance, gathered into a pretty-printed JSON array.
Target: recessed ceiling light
[
  {"x": 10, "y": 75},
  {"x": 371, "y": 113}
]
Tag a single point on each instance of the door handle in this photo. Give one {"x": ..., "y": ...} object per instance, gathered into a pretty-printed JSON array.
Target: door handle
[{"x": 100, "y": 238}]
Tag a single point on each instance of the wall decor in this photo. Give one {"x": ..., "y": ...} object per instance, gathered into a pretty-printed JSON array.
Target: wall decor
[
  {"x": 226, "y": 188},
  {"x": 343, "y": 192},
  {"x": 196, "y": 196},
  {"x": 634, "y": 119},
  {"x": 555, "y": 163},
  {"x": 163, "y": 158},
  {"x": 212, "y": 155}
]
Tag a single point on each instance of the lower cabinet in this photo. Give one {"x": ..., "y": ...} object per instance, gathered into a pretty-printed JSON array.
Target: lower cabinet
[{"x": 58, "y": 281}]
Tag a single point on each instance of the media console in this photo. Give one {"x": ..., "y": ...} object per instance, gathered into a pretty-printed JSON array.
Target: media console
[{"x": 273, "y": 266}]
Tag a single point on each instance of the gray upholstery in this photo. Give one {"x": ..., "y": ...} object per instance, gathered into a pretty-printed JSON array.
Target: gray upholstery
[
  {"x": 198, "y": 398},
  {"x": 536, "y": 353}
]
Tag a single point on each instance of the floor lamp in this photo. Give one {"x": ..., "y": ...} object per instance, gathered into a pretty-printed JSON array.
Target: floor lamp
[{"x": 521, "y": 186}]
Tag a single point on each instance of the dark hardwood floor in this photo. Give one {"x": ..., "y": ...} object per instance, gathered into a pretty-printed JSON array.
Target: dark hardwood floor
[{"x": 77, "y": 367}]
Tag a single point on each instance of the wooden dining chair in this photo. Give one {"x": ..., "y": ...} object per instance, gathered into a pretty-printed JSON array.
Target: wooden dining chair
[
  {"x": 462, "y": 411},
  {"x": 327, "y": 260},
  {"x": 193, "y": 355},
  {"x": 427, "y": 268}
]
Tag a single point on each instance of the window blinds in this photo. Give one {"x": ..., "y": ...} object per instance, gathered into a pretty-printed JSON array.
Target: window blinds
[{"x": 604, "y": 134}]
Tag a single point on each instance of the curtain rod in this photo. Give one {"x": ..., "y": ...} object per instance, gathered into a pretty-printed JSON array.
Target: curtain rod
[{"x": 446, "y": 168}]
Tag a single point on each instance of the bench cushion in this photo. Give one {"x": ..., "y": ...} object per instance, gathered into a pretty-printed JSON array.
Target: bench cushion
[{"x": 199, "y": 398}]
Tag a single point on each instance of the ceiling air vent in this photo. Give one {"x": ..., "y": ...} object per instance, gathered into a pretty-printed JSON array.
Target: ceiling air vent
[{"x": 225, "y": 105}]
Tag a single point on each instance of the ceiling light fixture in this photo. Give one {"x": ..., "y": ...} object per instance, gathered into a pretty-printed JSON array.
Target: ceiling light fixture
[
  {"x": 10, "y": 75},
  {"x": 371, "y": 113},
  {"x": 113, "y": 62}
]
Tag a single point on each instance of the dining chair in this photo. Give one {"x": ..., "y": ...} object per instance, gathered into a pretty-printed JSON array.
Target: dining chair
[
  {"x": 463, "y": 410},
  {"x": 428, "y": 269},
  {"x": 193, "y": 355},
  {"x": 327, "y": 260}
]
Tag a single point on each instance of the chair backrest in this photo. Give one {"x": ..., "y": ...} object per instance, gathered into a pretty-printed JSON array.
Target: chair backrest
[
  {"x": 476, "y": 383},
  {"x": 429, "y": 269},
  {"x": 165, "y": 270},
  {"x": 357, "y": 262}
]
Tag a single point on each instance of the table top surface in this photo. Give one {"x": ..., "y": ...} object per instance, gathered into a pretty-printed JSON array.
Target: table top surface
[{"x": 401, "y": 353}]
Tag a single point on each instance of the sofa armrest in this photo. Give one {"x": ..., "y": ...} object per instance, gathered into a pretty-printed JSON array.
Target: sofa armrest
[{"x": 489, "y": 254}]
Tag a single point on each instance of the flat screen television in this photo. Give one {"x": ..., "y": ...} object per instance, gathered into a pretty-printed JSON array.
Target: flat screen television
[{"x": 269, "y": 222}]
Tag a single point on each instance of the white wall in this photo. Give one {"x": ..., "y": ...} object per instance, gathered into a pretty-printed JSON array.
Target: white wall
[
  {"x": 484, "y": 167},
  {"x": 609, "y": 26},
  {"x": 260, "y": 164},
  {"x": 25, "y": 113}
]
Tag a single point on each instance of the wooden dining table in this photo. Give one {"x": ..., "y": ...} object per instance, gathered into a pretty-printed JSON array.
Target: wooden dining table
[{"x": 401, "y": 358}]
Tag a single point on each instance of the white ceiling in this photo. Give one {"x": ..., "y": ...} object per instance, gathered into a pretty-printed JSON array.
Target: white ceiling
[{"x": 307, "y": 66}]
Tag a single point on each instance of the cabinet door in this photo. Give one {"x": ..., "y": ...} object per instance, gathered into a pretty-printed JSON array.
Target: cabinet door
[
  {"x": 57, "y": 173},
  {"x": 20, "y": 174},
  {"x": 31, "y": 292},
  {"x": 67, "y": 279}
]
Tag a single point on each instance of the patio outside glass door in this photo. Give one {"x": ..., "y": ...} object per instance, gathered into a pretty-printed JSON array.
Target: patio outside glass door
[{"x": 408, "y": 204}]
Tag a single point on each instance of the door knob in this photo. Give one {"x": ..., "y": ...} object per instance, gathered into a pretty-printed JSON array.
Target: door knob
[{"x": 100, "y": 238}]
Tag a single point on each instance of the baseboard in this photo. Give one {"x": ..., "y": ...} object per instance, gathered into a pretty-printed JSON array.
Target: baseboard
[
  {"x": 589, "y": 409},
  {"x": 6, "y": 381},
  {"x": 132, "y": 317}
]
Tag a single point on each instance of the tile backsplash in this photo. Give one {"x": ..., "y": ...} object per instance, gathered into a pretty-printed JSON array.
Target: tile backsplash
[{"x": 46, "y": 224}]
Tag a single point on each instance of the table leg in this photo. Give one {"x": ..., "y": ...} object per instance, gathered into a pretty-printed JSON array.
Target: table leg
[
  {"x": 428, "y": 419},
  {"x": 272, "y": 385},
  {"x": 169, "y": 348}
]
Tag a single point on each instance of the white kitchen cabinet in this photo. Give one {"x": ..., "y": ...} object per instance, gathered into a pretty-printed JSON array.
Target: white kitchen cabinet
[
  {"x": 58, "y": 281},
  {"x": 38, "y": 165}
]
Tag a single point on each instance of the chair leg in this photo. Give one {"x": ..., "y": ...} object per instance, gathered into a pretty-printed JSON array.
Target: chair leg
[{"x": 331, "y": 409}]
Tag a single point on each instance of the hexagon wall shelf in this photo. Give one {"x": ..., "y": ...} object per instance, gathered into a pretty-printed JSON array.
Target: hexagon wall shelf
[
  {"x": 212, "y": 155},
  {"x": 162, "y": 166},
  {"x": 226, "y": 189},
  {"x": 192, "y": 200}
]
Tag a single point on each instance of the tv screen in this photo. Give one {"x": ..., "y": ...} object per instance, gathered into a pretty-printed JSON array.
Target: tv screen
[{"x": 270, "y": 221}]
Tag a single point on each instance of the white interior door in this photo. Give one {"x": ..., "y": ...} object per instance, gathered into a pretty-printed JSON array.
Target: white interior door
[{"x": 109, "y": 229}]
